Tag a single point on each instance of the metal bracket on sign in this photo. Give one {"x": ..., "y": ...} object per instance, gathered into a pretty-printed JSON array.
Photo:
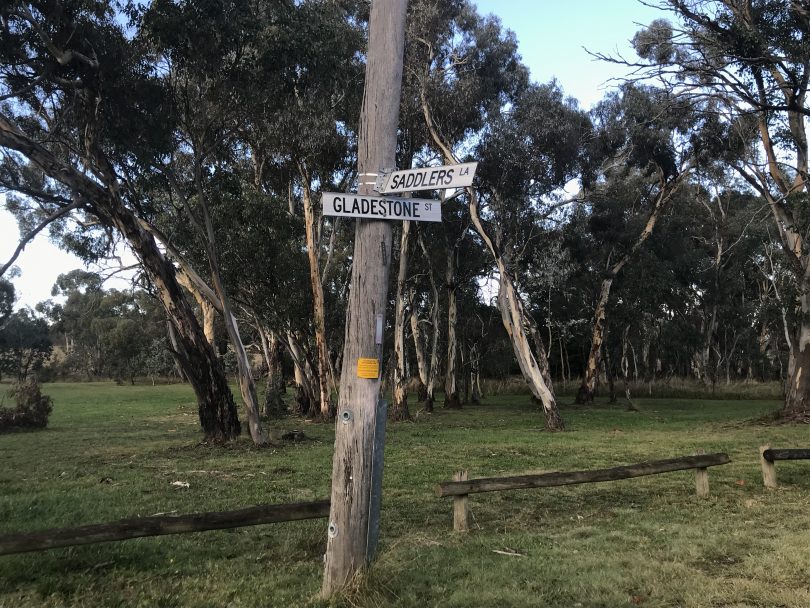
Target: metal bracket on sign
[{"x": 382, "y": 177}]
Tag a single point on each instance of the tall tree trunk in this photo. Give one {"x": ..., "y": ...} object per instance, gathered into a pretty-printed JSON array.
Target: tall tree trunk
[
  {"x": 200, "y": 364},
  {"x": 587, "y": 389},
  {"x": 520, "y": 327},
  {"x": 791, "y": 335},
  {"x": 797, "y": 399},
  {"x": 319, "y": 315},
  {"x": 433, "y": 367},
  {"x": 247, "y": 386},
  {"x": 307, "y": 386},
  {"x": 274, "y": 406},
  {"x": 399, "y": 408},
  {"x": 515, "y": 320},
  {"x": 667, "y": 189},
  {"x": 451, "y": 397},
  {"x": 352, "y": 534},
  {"x": 475, "y": 373},
  {"x": 625, "y": 365},
  {"x": 708, "y": 338},
  {"x": 781, "y": 185},
  {"x": 203, "y": 370},
  {"x": 418, "y": 346},
  {"x": 514, "y": 316}
]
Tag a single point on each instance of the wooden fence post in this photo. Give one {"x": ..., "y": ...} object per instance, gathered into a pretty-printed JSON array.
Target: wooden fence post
[
  {"x": 768, "y": 467},
  {"x": 461, "y": 510},
  {"x": 702, "y": 479}
]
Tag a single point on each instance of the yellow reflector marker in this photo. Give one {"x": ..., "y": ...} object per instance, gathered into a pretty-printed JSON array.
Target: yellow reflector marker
[{"x": 368, "y": 368}]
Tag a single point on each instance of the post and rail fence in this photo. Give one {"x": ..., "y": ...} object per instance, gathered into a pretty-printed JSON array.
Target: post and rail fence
[
  {"x": 768, "y": 456},
  {"x": 459, "y": 489},
  {"x": 461, "y": 486}
]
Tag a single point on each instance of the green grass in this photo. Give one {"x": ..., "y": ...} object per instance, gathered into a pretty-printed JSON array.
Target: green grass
[{"x": 113, "y": 451}]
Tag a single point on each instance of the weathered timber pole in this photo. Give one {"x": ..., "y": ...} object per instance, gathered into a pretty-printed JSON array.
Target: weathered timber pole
[
  {"x": 546, "y": 480},
  {"x": 347, "y": 547},
  {"x": 160, "y": 525}
]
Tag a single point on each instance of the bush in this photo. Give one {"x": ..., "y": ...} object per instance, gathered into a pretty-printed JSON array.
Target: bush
[{"x": 33, "y": 408}]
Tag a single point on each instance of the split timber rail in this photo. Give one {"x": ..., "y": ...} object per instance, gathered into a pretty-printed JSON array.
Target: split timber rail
[
  {"x": 461, "y": 487},
  {"x": 161, "y": 525}
]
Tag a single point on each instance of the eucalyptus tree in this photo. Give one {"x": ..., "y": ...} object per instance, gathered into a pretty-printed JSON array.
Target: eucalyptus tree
[
  {"x": 300, "y": 132},
  {"x": 105, "y": 333},
  {"x": 204, "y": 78},
  {"x": 461, "y": 70},
  {"x": 731, "y": 235},
  {"x": 528, "y": 154},
  {"x": 430, "y": 26},
  {"x": 649, "y": 156},
  {"x": 84, "y": 115},
  {"x": 751, "y": 58}
]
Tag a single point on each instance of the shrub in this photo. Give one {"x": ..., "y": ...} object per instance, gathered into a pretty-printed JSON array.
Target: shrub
[{"x": 32, "y": 407}]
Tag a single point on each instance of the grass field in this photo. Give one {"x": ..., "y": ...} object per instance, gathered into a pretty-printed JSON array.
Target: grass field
[{"x": 113, "y": 451}]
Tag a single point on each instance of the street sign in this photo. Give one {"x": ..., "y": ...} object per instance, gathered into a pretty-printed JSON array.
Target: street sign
[
  {"x": 381, "y": 207},
  {"x": 429, "y": 178}
]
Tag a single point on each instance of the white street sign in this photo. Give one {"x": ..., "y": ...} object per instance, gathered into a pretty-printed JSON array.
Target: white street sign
[
  {"x": 430, "y": 178},
  {"x": 381, "y": 207}
]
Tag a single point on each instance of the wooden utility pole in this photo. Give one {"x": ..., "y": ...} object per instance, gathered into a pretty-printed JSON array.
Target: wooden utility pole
[{"x": 350, "y": 527}]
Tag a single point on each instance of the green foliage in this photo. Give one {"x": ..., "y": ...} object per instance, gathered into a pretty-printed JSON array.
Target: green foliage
[
  {"x": 25, "y": 344},
  {"x": 113, "y": 334},
  {"x": 7, "y": 297},
  {"x": 655, "y": 42},
  {"x": 32, "y": 408}
]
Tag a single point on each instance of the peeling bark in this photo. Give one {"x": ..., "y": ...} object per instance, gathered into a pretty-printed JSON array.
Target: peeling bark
[
  {"x": 418, "y": 346},
  {"x": 399, "y": 407},
  {"x": 451, "y": 397},
  {"x": 206, "y": 307},
  {"x": 516, "y": 320},
  {"x": 433, "y": 367},
  {"x": 319, "y": 314}
]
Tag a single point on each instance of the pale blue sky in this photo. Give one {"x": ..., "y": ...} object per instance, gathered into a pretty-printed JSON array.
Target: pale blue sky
[{"x": 551, "y": 36}]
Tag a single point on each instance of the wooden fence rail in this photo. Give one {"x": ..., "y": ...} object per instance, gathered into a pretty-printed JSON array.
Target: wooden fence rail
[
  {"x": 461, "y": 486},
  {"x": 159, "y": 525},
  {"x": 768, "y": 456}
]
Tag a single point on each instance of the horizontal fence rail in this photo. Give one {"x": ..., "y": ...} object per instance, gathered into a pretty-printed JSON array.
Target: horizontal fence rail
[
  {"x": 771, "y": 454},
  {"x": 461, "y": 487},
  {"x": 160, "y": 525},
  {"x": 544, "y": 480}
]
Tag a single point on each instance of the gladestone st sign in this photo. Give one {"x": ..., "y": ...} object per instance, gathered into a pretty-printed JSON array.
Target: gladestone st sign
[{"x": 381, "y": 207}]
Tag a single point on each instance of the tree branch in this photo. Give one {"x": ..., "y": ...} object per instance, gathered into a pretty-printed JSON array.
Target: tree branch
[{"x": 30, "y": 235}]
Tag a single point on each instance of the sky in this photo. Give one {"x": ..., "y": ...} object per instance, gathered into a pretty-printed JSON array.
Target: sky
[{"x": 552, "y": 37}]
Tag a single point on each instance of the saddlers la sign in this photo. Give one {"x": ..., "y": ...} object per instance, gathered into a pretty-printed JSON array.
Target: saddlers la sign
[{"x": 429, "y": 178}]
